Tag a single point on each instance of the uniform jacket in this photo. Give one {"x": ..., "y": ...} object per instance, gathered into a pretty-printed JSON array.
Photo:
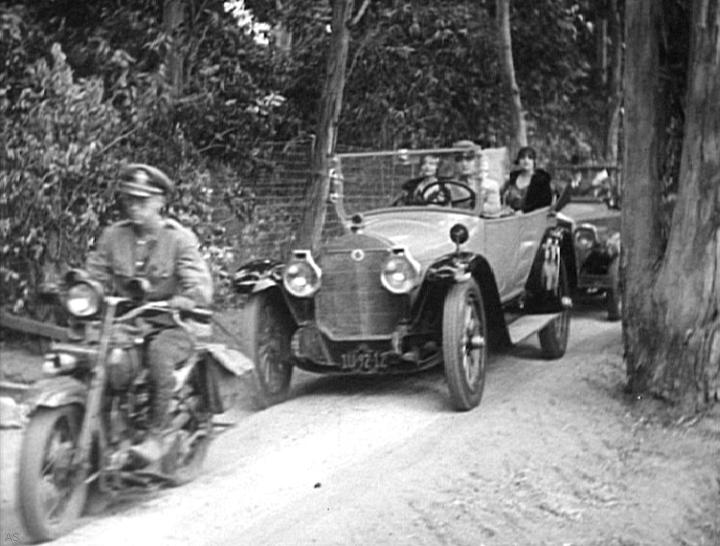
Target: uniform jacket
[{"x": 169, "y": 259}]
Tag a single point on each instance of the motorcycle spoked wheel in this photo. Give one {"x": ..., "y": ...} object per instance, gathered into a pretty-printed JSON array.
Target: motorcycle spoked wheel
[{"x": 51, "y": 495}]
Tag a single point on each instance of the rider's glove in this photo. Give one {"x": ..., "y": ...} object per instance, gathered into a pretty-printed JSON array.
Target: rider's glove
[{"x": 182, "y": 303}]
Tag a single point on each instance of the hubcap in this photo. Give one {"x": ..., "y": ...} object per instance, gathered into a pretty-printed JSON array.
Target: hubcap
[{"x": 472, "y": 343}]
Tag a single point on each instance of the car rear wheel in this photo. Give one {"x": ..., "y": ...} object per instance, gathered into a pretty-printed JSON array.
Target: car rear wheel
[
  {"x": 554, "y": 337},
  {"x": 464, "y": 344},
  {"x": 271, "y": 329},
  {"x": 613, "y": 299}
]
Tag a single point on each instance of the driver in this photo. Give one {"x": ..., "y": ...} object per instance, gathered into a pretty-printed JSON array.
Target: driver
[
  {"x": 413, "y": 188},
  {"x": 473, "y": 169},
  {"x": 166, "y": 254}
]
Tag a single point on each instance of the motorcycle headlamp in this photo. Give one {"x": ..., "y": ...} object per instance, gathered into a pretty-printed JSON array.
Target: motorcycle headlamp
[
  {"x": 82, "y": 300},
  {"x": 302, "y": 275},
  {"x": 400, "y": 272}
]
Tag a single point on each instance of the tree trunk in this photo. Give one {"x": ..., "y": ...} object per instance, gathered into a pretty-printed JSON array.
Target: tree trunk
[
  {"x": 614, "y": 103},
  {"x": 508, "y": 69},
  {"x": 173, "y": 19},
  {"x": 330, "y": 107},
  {"x": 672, "y": 310}
]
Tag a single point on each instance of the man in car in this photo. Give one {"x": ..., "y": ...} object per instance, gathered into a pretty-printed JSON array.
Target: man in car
[
  {"x": 413, "y": 188},
  {"x": 166, "y": 254},
  {"x": 473, "y": 169}
]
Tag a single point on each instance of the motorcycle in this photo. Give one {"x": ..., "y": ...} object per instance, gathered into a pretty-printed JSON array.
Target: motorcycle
[{"x": 94, "y": 404}]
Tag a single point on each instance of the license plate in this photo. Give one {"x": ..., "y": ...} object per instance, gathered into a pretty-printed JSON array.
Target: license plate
[{"x": 363, "y": 360}]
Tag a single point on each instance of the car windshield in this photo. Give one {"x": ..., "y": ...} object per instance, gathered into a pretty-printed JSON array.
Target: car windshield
[
  {"x": 592, "y": 183},
  {"x": 430, "y": 177}
]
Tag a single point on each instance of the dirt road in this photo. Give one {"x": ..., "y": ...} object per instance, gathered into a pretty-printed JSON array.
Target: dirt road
[{"x": 555, "y": 454}]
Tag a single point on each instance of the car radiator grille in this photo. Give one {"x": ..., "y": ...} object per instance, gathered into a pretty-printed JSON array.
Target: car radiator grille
[{"x": 352, "y": 303}]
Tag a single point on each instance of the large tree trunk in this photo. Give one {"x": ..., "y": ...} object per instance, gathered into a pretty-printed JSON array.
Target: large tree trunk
[
  {"x": 672, "y": 307},
  {"x": 519, "y": 126},
  {"x": 330, "y": 106}
]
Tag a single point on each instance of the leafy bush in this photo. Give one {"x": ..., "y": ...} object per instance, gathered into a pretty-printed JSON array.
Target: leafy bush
[{"x": 58, "y": 163}]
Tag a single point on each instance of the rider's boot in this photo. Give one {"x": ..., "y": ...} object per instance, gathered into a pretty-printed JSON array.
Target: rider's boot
[
  {"x": 152, "y": 448},
  {"x": 155, "y": 445}
]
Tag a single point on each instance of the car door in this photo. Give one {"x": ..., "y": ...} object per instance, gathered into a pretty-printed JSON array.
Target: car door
[
  {"x": 510, "y": 247},
  {"x": 531, "y": 228},
  {"x": 502, "y": 236}
]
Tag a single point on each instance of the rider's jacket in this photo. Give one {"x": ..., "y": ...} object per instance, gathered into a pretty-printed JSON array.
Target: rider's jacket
[{"x": 169, "y": 258}]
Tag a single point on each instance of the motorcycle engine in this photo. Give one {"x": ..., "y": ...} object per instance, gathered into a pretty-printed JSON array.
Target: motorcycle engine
[{"x": 123, "y": 364}]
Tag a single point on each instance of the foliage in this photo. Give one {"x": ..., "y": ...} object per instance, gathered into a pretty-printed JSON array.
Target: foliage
[
  {"x": 421, "y": 73},
  {"x": 426, "y": 73},
  {"x": 55, "y": 183},
  {"x": 66, "y": 137}
]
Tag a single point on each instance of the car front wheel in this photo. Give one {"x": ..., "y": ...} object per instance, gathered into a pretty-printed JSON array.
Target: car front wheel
[
  {"x": 464, "y": 344},
  {"x": 554, "y": 337},
  {"x": 271, "y": 329}
]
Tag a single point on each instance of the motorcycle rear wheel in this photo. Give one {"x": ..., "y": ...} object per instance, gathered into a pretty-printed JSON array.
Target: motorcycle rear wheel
[{"x": 51, "y": 495}]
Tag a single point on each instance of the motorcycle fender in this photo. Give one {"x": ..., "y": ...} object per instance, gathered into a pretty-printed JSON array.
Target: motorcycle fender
[{"x": 54, "y": 392}]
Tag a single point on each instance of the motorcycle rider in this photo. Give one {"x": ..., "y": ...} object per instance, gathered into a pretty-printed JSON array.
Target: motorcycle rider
[{"x": 167, "y": 255}]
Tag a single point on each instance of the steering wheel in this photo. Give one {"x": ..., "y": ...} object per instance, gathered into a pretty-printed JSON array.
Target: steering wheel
[{"x": 439, "y": 193}]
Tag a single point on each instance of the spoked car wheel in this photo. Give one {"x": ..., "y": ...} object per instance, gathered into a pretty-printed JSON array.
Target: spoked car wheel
[
  {"x": 271, "y": 329},
  {"x": 554, "y": 337},
  {"x": 51, "y": 493},
  {"x": 464, "y": 344}
]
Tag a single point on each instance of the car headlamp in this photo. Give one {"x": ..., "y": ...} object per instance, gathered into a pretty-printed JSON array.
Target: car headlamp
[
  {"x": 400, "y": 272},
  {"x": 83, "y": 300},
  {"x": 585, "y": 238},
  {"x": 302, "y": 275}
]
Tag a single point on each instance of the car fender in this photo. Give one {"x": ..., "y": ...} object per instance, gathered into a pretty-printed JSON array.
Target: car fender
[
  {"x": 455, "y": 268},
  {"x": 563, "y": 237},
  {"x": 257, "y": 275},
  {"x": 54, "y": 392}
]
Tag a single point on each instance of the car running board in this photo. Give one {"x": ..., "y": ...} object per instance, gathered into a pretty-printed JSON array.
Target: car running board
[{"x": 527, "y": 325}]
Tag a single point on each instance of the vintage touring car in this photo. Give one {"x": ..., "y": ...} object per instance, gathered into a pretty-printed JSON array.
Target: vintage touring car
[
  {"x": 595, "y": 219},
  {"x": 402, "y": 288}
]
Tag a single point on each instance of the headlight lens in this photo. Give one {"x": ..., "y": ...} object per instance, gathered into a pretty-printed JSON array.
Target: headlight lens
[
  {"x": 82, "y": 300},
  {"x": 400, "y": 272},
  {"x": 302, "y": 275},
  {"x": 585, "y": 238}
]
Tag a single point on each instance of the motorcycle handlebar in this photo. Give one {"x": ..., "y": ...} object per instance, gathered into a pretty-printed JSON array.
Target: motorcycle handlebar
[{"x": 198, "y": 313}]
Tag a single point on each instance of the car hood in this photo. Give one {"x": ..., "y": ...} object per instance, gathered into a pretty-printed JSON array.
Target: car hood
[
  {"x": 596, "y": 213},
  {"x": 425, "y": 232}
]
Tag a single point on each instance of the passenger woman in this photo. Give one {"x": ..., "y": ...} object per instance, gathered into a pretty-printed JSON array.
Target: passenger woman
[{"x": 528, "y": 187}]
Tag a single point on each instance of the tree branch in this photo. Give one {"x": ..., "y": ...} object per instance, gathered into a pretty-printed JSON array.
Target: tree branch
[
  {"x": 360, "y": 13},
  {"x": 363, "y": 44}
]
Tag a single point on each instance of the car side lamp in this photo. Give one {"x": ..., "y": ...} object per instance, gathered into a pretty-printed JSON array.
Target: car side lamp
[{"x": 459, "y": 235}]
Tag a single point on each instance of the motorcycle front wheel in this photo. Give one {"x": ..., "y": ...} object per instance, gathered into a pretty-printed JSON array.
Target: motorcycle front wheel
[{"x": 51, "y": 494}]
